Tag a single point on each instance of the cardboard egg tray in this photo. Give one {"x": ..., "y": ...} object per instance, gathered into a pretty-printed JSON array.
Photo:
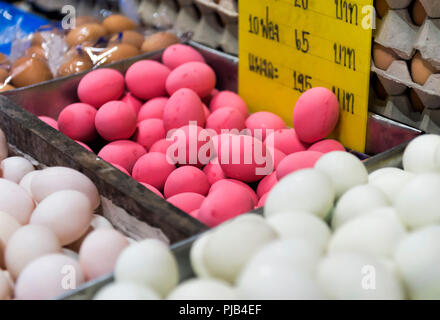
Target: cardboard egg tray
[{"x": 212, "y": 22}]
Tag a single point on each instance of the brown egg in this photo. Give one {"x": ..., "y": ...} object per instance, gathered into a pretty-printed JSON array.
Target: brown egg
[
  {"x": 119, "y": 52},
  {"x": 3, "y": 58},
  {"x": 36, "y": 51},
  {"x": 118, "y": 23},
  {"x": 416, "y": 103},
  {"x": 383, "y": 57},
  {"x": 6, "y": 88},
  {"x": 129, "y": 37},
  {"x": 159, "y": 41},
  {"x": 29, "y": 70},
  {"x": 382, "y": 8},
  {"x": 421, "y": 69},
  {"x": 3, "y": 75},
  {"x": 37, "y": 39},
  {"x": 379, "y": 89},
  {"x": 418, "y": 13},
  {"x": 86, "y": 32},
  {"x": 74, "y": 65},
  {"x": 82, "y": 20}
]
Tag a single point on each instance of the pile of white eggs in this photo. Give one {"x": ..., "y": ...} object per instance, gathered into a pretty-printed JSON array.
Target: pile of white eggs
[
  {"x": 382, "y": 240},
  {"x": 50, "y": 239}
]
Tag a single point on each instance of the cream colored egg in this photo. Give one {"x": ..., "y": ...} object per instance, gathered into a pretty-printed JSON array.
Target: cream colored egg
[
  {"x": 15, "y": 201},
  {"x": 48, "y": 277},
  {"x": 26, "y": 181},
  {"x": 15, "y": 168},
  {"x": 99, "y": 252},
  {"x": 203, "y": 289},
  {"x": 307, "y": 190},
  {"x": 149, "y": 263},
  {"x": 8, "y": 225},
  {"x": 196, "y": 256},
  {"x": 420, "y": 154},
  {"x": 344, "y": 170},
  {"x": 4, "y": 149},
  {"x": 27, "y": 244},
  {"x": 54, "y": 179},
  {"x": 126, "y": 291},
  {"x": 67, "y": 213},
  {"x": 382, "y": 172},
  {"x": 356, "y": 202},
  {"x": 99, "y": 222},
  {"x": 391, "y": 183},
  {"x": 301, "y": 225}
]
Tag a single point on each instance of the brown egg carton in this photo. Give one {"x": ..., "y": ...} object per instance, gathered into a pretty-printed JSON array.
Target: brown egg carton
[
  {"x": 212, "y": 22},
  {"x": 432, "y": 7}
]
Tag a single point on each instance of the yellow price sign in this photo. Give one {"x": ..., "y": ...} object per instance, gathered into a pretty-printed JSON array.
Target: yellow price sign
[{"x": 289, "y": 46}]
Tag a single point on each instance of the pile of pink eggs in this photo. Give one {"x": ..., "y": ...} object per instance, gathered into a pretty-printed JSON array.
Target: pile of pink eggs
[{"x": 166, "y": 125}]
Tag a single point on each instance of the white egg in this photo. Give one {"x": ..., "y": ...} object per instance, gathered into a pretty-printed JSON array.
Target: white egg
[
  {"x": 306, "y": 190},
  {"x": 418, "y": 258},
  {"x": 54, "y": 179},
  {"x": 355, "y": 276},
  {"x": 15, "y": 201},
  {"x": 391, "y": 182},
  {"x": 26, "y": 181},
  {"x": 301, "y": 225},
  {"x": 229, "y": 248},
  {"x": 418, "y": 202},
  {"x": 150, "y": 263},
  {"x": 4, "y": 149},
  {"x": 277, "y": 282},
  {"x": 376, "y": 233},
  {"x": 420, "y": 154},
  {"x": 8, "y": 225},
  {"x": 344, "y": 170},
  {"x": 67, "y": 213},
  {"x": 99, "y": 222},
  {"x": 357, "y": 201},
  {"x": 196, "y": 256},
  {"x": 379, "y": 173},
  {"x": 203, "y": 289},
  {"x": 125, "y": 291},
  {"x": 15, "y": 168}
]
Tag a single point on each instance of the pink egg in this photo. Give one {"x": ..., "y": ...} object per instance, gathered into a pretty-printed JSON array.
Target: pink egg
[
  {"x": 153, "y": 169},
  {"x": 77, "y": 121},
  {"x": 226, "y": 182},
  {"x": 49, "y": 121},
  {"x": 186, "y": 179},
  {"x": 197, "y": 76},
  {"x": 148, "y": 132},
  {"x": 226, "y": 119},
  {"x": 207, "y": 100},
  {"x": 84, "y": 145},
  {"x": 183, "y": 107},
  {"x": 146, "y": 79},
  {"x": 115, "y": 120},
  {"x": 132, "y": 101},
  {"x": 267, "y": 184},
  {"x": 316, "y": 114},
  {"x": 48, "y": 277},
  {"x": 15, "y": 201},
  {"x": 326, "y": 146},
  {"x": 262, "y": 123},
  {"x": 192, "y": 146},
  {"x": 187, "y": 202},
  {"x": 228, "y": 99},
  {"x": 161, "y": 146},
  {"x": 244, "y": 158},
  {"x": 121, "y": 168},
  {"x": 297, "y": 161},
  {"x": 206, "y": 111},
  {"x": 195, "y": 214},
  {"x": 100, "y": 251},
  {"x": 285, "y": 140},
  {"x": 152, "y": 189},
  {"x": 152, "y": 109},
  {"x": 178, "y": 54},
  {"x": 100, "y": 86},
  {"x": 224, "y": 204},
  {"x": 214, "y": 171},
  {"x": 277, "y": 156},
  {"x": 262, "y": 201},
  {"x": 123, "y": 152}
]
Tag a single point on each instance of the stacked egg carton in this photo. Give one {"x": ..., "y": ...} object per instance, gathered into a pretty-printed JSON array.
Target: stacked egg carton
[
  {"x": 409, "y": 102},
  {"x": 212, "y": 22}
]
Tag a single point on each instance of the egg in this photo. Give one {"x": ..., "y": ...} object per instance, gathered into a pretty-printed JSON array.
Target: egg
[
  {"x": 76, "y": 64},
  {"x": 297, "y": 161},
  {"x": 214, "y": 171},
  {"x": 327, "y": 146},
  {"x": 77, "y": 121},
  {"x": 263, "y": 122},
  {"x": 49, "y": 121},
  {"x": 126, "y": 291},
  {"x": 152, "y": 109},
  {"x": 62, "y": 206},
  {"x": 159, "y": 40},
  {"x": 115, "y": 120},
  {"x": 225, "y": 184},
  {"x": 26, "y": 181},
  {"x": 81, "y": 20},
  {"x": 203, "y": 289},
  {"x": 421, "y": 70},
  {"x": 130, "y": 37},
  {"x": 117, "y": 52},
  {"x": 383, "y": 57},
  {"x": 226, "y": 119},
  {"x": 15, "y": 201},
  {"x": 150, "y": 263},
  {"x": 99, "y": 252},
  {"x": 285, "y": 140},
  {"x": 382, "y": 8},
  {"x": 418, "y": 13},
  {"x": 48, "y": 277},
  {"x": 148, "y": 132},
  {"x": 86, "y": 32},
  {"x": 228, "y": 99},
  {"x": 161, "y": 146},
  {"x": 118, "y": 23},
  {"x": 3, "y": 58},
  {"x": 54, "y": 179},
  {"x": 266, "y": 184},
  {"x": 153, "y": 168},
  {"x": 416, "y": 102},
  {"x": 178, "y": 54},
  {"x": 196, "y": 256},
  {"x": 343, "y": 169},
  {"x": 29, "y": 70},
  {"x": 419, "y": 155},
  {"x": 27, "y": 244},
  {"x": 391, "y": 182},
  {"x": 186, "y": 179},
  {"x": 122, "y": 152},
  {"x": 15, "y": 168},
  {"x": 8, "y": 225},
  {"x": 306, "y": 190},
  {"x": 187, "y": 201}
]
